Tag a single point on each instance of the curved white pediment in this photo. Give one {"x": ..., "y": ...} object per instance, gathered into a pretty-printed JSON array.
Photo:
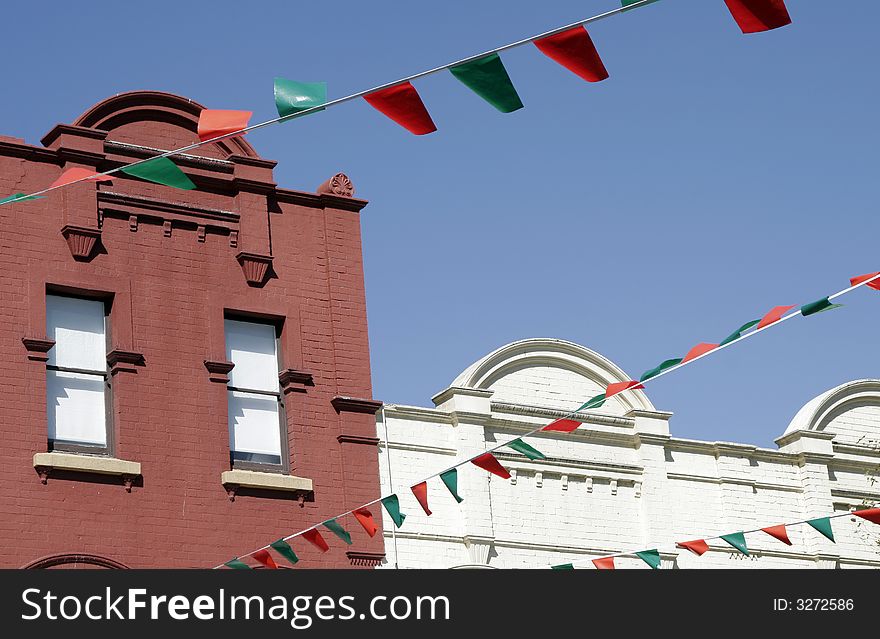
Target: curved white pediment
[{"x": 851, "y": 410}]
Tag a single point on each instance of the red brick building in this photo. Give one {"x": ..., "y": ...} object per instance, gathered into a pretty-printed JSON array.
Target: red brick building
[{"x": 153, "y": 338}]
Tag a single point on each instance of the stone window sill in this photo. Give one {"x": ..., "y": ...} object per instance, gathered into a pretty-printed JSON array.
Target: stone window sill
[
  {"x": 232, "y": 480},
  {"x": 44, "y": 463}
]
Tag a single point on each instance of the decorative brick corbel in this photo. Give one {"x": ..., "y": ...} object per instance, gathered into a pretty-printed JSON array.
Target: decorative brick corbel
[
  {"x": 38, "y": 348},
  {"x": 218, "y": 371},
  {"x": 119, "y": 360},
  {"x": 255, "y": 267},
  {"x": 294, "y": 381},
  {"x": 81, "y": 241},
  {"x": 355, "y": 405},
  {"x": 370, "y": 559}
]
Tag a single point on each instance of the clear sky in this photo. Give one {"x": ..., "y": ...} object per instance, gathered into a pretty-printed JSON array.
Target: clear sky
[{"x": 713, "y": 176}]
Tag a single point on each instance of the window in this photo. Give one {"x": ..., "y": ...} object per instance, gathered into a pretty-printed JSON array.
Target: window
[
  {"x": 77, "y": 383},
  {"x": 256, "y": 415}
]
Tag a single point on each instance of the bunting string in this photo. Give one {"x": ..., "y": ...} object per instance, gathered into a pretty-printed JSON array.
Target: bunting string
[{"x": 569, "y": 422}]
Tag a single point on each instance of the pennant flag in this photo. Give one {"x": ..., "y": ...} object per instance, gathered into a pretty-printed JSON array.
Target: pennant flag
[
  {"x": 563, "y": 567},
  {"x": 595, "y": 402},
  {"x": 333, "y": 526},
  {"x": 265, "y": 558},
  {"x": 235, "y": 562},
  {"x": 314, "y": 537},
  {"x": 402, "y": 104},
  {"x": 774, "y": 315},
  {"x": 365, "y": 518},
  {"x": 488, "y": 78},
  {"x": 392, "y": 505},
  {"x": 738, "y": 541},
  {"x": 574, "y": 49},
  {"x": 521, "y": 447},
  {"x": 823, "y": 525},
  {"x": 619, "y": 387},
  {"x": 292, "y": 97},
  {"x": 421, "y": 493},
  {"x": 818, "y": 307},
  {"x": 217, "y": 122},
  {"x": 699, "y": 349},
  {"x": 738, "y": 332},
  {"x": 77, "y": 173},
  {"x": 779, "y": 532},
  {"x": 698, "y": 546},
  {"x": 161, "y": 171},
  {"x": 284, "y": 549},
  {"x": 855, "y": 281},
  {"x": 650, "y": 557},
  {"x": 450, "y": 478},
  {"x": 605, "y": 563},
  {"x": 562, "y": 425},
  {"x": 669, "y": 363},
  {"x": 871, "y": 514},
  {"x": 754, "y": 16},
  {"x": 487, "y": 462},
  {"x": 20, "y": 197}
]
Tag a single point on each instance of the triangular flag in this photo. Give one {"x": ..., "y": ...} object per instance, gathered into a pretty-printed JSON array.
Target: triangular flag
[
  {"x": 650, "y": 557},
  {"x": 488, "y": 78},
  {"x": 563, "y": 567},
  {"x": 699, "y": 349},
  {"x": 20, "y": 197},
  {"x": 265, "y": 558},
  {"x": 333, "y": 526},
  {"x": 605, "y": 563},
  {"x": 421, "y": 493},
  {"x": 574, "y": 49},
  {"x": 594, "y": 402},
  {"x": 365, "y": 518},
  {"x": 818, "y": 306},
  {"x": 450, "y": 478},
  {"x": 521, "y": 447},
  {"x": 855, "y": 281},
  {"x": 823, "y": 525},
  {"x": 871, "y": 514},
  {"x": 402, "y": 104},
  {"x": 779, "y": 532},
  {"x": 235, "y": 562},
  {"x": 669, "y": 363},
  {"x": 773, "y": 315},
  {"x": 487, "y": 462},
  {"x": 292, "y": 97},
  {"x": 314, "y": 537},
  {"x": 392, "y": 505},
  {"x": 562, "y": 425},
  {"x": 77, "y": 173},
  {"x": 161, "y": 171},
  {"x": 698, "y": 546},
  {"x": 754, "y": 16},
  {"x": 284, "y": 549},
  {"x": 619, "y": 387},
  {"x": 216, "y": 122},
  {"x": 738, "y": 332},
  {"x": 738, "y": 541}
]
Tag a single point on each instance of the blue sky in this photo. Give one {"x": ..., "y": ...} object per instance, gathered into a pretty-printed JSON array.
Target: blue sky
[{"x": 714, "y": 175}]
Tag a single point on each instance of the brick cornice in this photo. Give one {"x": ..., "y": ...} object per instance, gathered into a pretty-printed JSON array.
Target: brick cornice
[
  {"x": 344, "y": 404},
  {"x": 371, "y": 559},
  {"x": 357, "y": 439}
]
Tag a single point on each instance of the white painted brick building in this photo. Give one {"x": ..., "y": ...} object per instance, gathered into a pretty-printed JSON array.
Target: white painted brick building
[{"x": 621, "y": 481}]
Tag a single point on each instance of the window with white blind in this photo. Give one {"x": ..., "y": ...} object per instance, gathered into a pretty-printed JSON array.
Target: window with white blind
[
  {"x": 256, "y": 435},
  {"x": 77, "y": 390}
]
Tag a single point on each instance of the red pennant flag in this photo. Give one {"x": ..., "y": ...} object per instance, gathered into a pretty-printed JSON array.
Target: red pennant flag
[
  {"x": 421, "y": 493},
  {"x": 574, "y": 49},
  {"x": 875, "y": 284},
  {"x": 265, "y": 558},
  {"x": 365, "y": 517},
  {"x": 871, "y": 514},
  {"x": 216, "y": 122},
  {"x": 562, "y": 425},
  {"x": 402, "y": 104},
  {"x": 487, "y": 462},
  {"x": 619, "y": 387},
  {"x": 78, "y": 173},
  {"x": 605, "y": 563},
  {"x": 699, "y": 349},
  {"x": 314, "y": 537},
  {"x": 754, "y": 16},
  {"x": 698, "y": 546},
  {"x": 779, "y": 532},
  {"x": 774, "y": 315}
]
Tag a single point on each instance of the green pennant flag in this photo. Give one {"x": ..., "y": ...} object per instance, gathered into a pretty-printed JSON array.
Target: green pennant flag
[
  {"x": 650, "y": 557},
  {"x": 284, "y": 549},
  {"x": 669, "y": 363},
  {"x": 521, "y": 447},
  {"x": 450, "y": 478},
  {"x": 292, "y": 97},
  {"x": 818, "y": 306},
  {"x": 392, "y": 505},
  {"x": 337, "y": 530},
  {"x": 488, "y": 78},
  {"x": 20, "y": 197},
  {"x": 563, "y": 567},
  {"x": 235, "y": 562},
  {"x": 595, "y": 402},
  {"x": 738, "y": 541},
  {"x": 823, "y": 525},
  {"x": 161, "y": 171},
  {"x": 738, "y": 332}
]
